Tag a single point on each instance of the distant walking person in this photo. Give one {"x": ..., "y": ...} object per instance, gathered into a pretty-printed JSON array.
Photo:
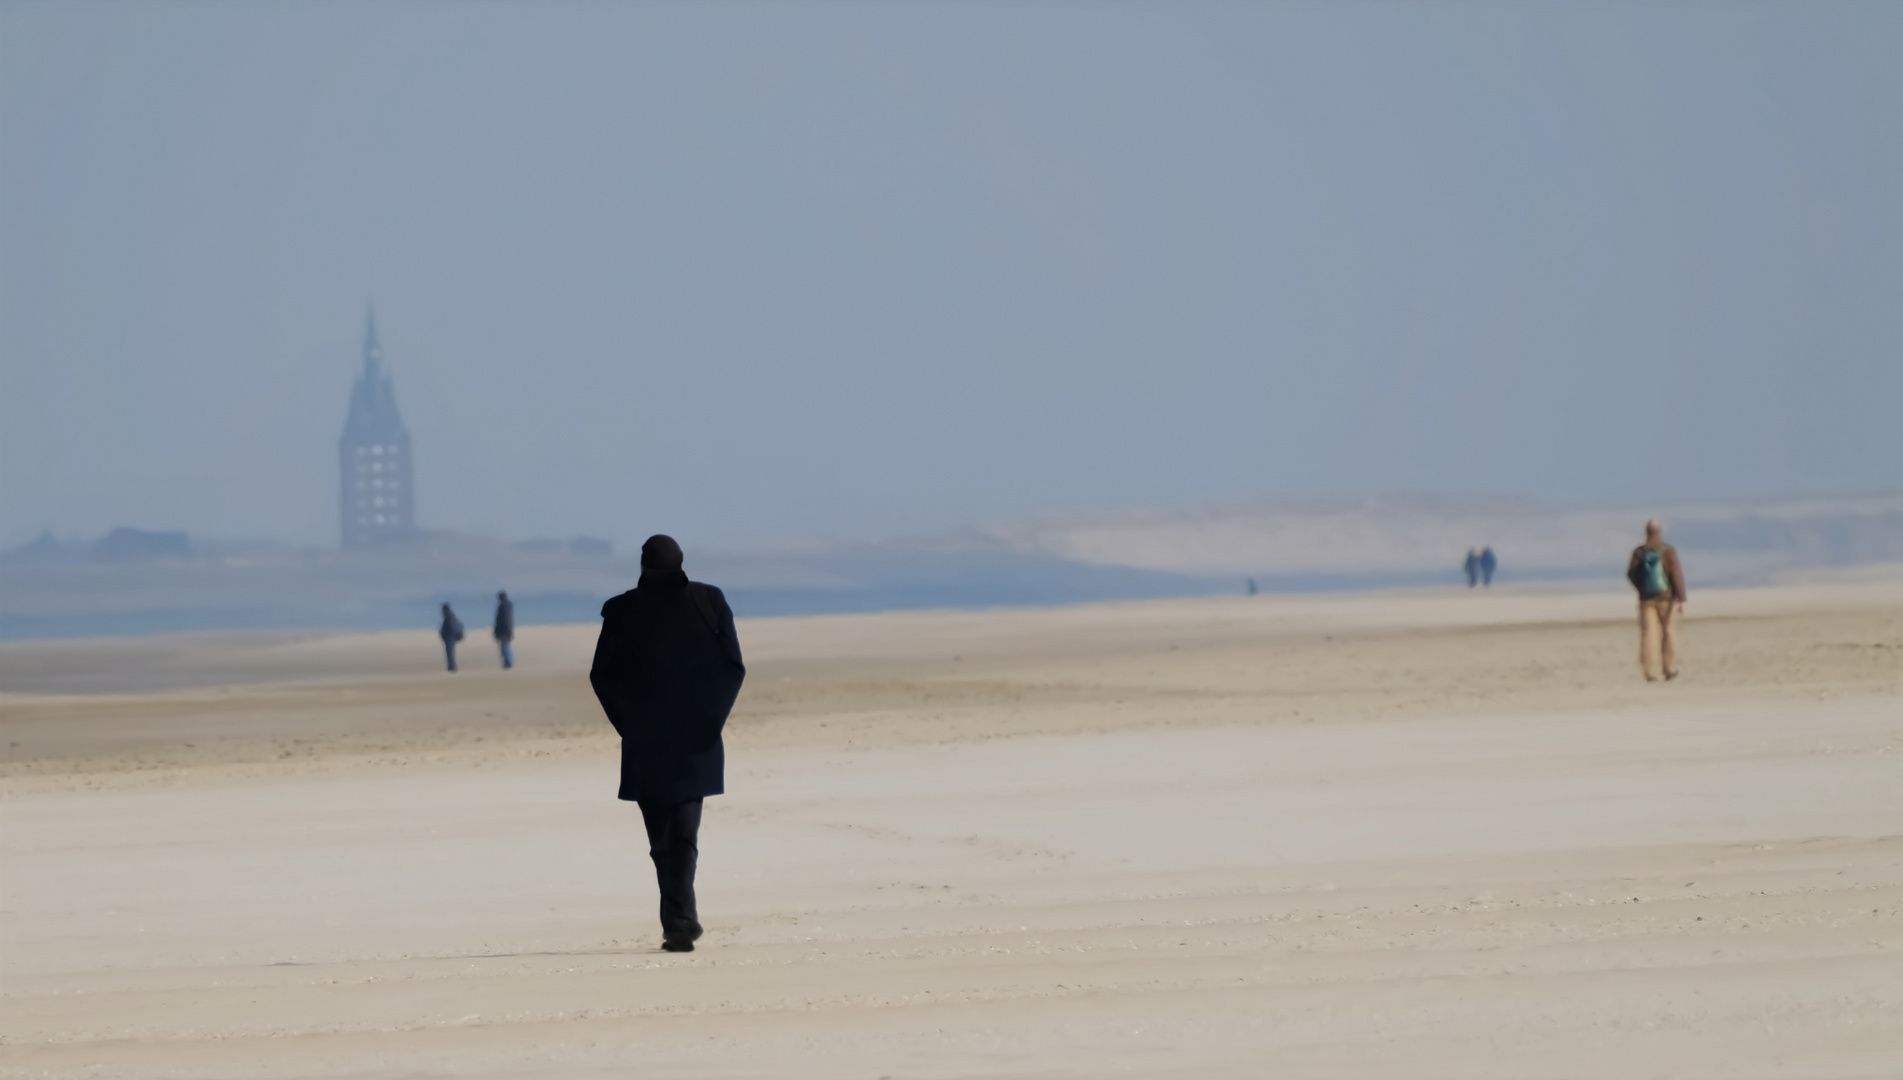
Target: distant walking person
[
  {"x": 1472, "y": 566},
  {"x": 505, "y": 628},
  {"x": 667, "y": 669},
  {"x": 1656, "y": 573},
  {"x": 1487, "y": 566},
  {"x": 451, "y": 633}
]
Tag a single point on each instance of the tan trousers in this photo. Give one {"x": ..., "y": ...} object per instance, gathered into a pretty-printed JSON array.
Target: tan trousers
[{"x": 1658, "y": 637}]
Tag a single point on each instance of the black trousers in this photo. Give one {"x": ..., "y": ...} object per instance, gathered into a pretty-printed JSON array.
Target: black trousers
[{"x": 673, "y": 844}]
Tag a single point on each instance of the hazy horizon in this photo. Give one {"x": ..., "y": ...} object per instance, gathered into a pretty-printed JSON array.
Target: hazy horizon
[
  {"x": 753, "y": 272},
  {"x": 1477, "y": 507}
]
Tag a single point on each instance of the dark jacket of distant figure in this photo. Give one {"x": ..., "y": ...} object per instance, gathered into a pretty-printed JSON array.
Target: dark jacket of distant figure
[
  {"x": 667, "y": 669},
  {"x": 452, "y": 630},
  {"x": 505, "y": 619}
]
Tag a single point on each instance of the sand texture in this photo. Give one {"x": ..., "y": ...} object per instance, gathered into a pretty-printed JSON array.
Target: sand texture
[{"x": 1441, "y": 834}]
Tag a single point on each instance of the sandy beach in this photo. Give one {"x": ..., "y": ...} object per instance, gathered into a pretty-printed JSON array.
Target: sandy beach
[{"x": 1412, "y": 834}]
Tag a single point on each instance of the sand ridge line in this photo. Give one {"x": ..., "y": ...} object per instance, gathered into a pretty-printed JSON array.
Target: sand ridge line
[
  {"x": 1523, "y": 667},
  {"x": 864, "y": 642}
]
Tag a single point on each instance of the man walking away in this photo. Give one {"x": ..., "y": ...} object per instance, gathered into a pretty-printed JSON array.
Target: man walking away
[
  {"x": 1655, "y": 572},
  {"x": 667, "y": 669},
  {"x": 1487, "y": 565},
  {"x": 1472, "y": 566},
  {"x": 451, "y": 633},
  {"x": 505, "y": 628}
]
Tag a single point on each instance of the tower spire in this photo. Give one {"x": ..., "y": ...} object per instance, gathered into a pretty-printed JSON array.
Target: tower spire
[
  {"x": 374, "y": 455},
  {"x": 372, "y": 350}
]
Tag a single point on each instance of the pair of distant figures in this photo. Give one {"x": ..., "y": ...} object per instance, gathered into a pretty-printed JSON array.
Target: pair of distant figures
[
  {"x": 452, "y": 631},
  {"x": 1480, "y": 566}
]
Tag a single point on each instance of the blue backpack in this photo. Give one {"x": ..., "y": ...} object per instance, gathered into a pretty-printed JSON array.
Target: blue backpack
[{"x": 1649, "y": 574}]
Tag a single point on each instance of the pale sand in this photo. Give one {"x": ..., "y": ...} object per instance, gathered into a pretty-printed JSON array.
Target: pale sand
[{"x": 1407, "y": 835}]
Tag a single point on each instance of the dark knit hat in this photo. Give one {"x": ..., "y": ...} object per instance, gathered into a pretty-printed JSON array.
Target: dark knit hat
[{"x": 660, "y": 553}]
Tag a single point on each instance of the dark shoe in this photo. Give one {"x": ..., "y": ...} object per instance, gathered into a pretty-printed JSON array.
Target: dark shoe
[{"x": 675, "y": 944}]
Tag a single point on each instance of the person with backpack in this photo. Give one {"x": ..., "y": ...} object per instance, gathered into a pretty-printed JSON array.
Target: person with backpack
[
  {"x": 451, "y": 632},
  {"x": 1655, "y": 571},
  {"x": 667, "y": 669}
]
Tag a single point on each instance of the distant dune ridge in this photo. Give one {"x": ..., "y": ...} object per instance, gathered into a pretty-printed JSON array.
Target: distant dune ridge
[
  {"x": 1417, "y": 532},
  {"x": 1288, "y": 545}
]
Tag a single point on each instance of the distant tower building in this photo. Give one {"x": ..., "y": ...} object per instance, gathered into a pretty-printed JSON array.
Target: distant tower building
[{"x": 378, "y": 500}]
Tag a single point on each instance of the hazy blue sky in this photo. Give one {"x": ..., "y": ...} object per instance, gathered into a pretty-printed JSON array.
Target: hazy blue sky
[{"x": 756, "y": 270}]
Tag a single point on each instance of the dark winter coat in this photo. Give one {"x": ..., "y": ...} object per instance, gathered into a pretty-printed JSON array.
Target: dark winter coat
[
  {"x": 505, "y": 620},
  {"x": 452, "y": 630},
  {"x": 667, "y": 669}
]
